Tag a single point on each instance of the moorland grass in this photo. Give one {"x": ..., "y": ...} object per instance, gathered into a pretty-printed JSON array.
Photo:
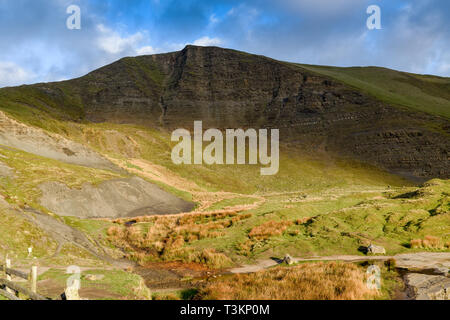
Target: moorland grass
[{"x": 312, "y": 281}]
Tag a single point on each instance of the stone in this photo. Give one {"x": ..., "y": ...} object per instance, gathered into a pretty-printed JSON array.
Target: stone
[
  {"x": 427, "y": 287},
  {"x": 71, "y": 292},
  {"x": 373, "y": 249},
  {"x": 94, "y": 277},
  {"x": 288, "y": 259}
]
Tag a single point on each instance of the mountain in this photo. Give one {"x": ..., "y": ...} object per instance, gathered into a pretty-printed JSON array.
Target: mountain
[
  {"x": 396, "y": 121},
  {"x": 87, "y": 179}
]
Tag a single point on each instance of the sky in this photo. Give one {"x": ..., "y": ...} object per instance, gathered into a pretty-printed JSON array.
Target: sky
[{"x": 37, "y": 46}]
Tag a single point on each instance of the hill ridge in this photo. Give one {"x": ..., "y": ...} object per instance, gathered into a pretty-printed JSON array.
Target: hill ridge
[{"x": 228, "y": 88}]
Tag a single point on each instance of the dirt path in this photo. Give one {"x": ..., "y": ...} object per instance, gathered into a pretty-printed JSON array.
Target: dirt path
[{"x": 410, "y": 261}]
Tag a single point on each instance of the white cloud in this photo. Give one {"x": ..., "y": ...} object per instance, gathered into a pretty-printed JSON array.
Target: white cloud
[
  {"x": 11, "y": 74},
  {"x": 207, "y": 41},
  {"x": 146, "y": 50},
  {"x": 213, "y": 19},
  {"x": 113, "y": 43}
]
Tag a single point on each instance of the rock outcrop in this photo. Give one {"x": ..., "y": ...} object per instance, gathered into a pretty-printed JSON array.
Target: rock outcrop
[
  {"x": 373, "y": 249},
  {"x": 288, "y": 259},
  {"x": 427, "y": 287}
]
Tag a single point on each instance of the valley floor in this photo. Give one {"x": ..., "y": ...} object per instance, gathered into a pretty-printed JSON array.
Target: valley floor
[{"x": 315, "y": 209}]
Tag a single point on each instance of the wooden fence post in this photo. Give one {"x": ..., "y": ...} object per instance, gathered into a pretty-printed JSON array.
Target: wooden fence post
[
  {"x": 8, "y": 276},
  {"x": 33, "y": 279}
]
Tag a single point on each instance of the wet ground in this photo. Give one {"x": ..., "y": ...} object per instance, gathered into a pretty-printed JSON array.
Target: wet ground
[{"x": 166, "y": 276}]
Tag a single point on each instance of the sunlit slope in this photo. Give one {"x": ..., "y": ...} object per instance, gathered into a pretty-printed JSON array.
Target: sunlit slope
[
  {"x": 298, "y": 170},
  {"x": 325, "y": 126},
  {"x": 425, "y": 93}
]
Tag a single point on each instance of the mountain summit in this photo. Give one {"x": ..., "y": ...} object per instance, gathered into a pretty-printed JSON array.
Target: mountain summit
[{"x": 315, "y": 110}]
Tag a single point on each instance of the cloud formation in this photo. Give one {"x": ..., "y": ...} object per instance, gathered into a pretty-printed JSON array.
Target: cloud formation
[
  {"x": 207, "y": 41},
  {"x": 37, "y": 46}
]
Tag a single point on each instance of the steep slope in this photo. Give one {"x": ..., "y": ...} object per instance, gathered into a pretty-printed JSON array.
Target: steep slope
[
  {"x": 37, "y": 141},
  {"x": 70, "y": 152},
  {"x": 425, "y": 93},
  {"x": 227, "y": 88}
]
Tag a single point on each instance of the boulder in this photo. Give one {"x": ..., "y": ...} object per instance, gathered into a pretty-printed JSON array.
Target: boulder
[
  {"x": 373, "y": 249},
  {"x": 288, "y": 259},
  {"x": 427, "y": 287},
  {"x": 94, "y": 277}
]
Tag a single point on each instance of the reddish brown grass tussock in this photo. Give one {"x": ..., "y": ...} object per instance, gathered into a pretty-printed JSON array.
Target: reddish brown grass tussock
[
  {"x": 429, "y": 242},
  {"x": 164, "y": 238},
  {"x": 313, "y": 281},
  {"x": 269, "y": 229}
]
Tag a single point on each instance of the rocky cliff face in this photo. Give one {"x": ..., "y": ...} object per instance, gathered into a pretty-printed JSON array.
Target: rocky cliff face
[{"x": 230, "y": 89}]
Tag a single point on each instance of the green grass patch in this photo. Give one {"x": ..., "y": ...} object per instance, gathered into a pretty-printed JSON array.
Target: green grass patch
[
  {"x": 32, "y": 170},
  {"x": 115, "y": 284},
  {"x": 425, "y": 93},
  {"x": 231, "y": 203}
]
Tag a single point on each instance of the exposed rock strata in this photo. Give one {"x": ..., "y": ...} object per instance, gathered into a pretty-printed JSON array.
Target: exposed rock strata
[{"x": 231, "y": 89}]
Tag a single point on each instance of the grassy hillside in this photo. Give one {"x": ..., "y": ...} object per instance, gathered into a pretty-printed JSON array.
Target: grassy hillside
[
  {"x": 425, "y": 93},
  {"x": 301, "y": 225},
  {"x": 31, "y": 170},
  {"x": 319, "y": 203}
]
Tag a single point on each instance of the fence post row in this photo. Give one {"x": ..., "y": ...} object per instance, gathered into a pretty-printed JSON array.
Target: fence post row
[{"x": 12, "y": 290}]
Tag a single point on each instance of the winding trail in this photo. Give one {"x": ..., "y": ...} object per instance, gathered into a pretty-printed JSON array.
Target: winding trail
[{"x": 410, "y": 261}]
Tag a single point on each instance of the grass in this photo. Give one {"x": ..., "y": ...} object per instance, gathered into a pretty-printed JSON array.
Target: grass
[
  {"x": 301, "y": 226},
  {"x": 316, "y": 205},
  {"x": 161, "y": 238},
  {"x": 429, "y": 242},
  {"x": 71, "y": 254},
  {"x": 298, "y": 171},
  {"x": 429, "y": 94},
  {"x": 391, "y": 222},
  {"x": 342, "y": 224},
  {"x": 115, "y": 284},
  {"x": 32, "y": 170},
  {"x": 17, "y": 235},
  {"x": 312, "y": 281},
  {"x": 333, "y": 197},
  {"x": 185, "y": 294},
  {"x": 223, "y": 204},
  {"x": 269, "y": 229}
]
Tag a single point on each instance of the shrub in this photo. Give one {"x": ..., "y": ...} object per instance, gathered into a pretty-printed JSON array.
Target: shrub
[
  {"x": 416, "y": 243},
  {"x": 429, "y": 242},
  {"x": 166, "y": 238},
  {"x": 302, "y": 220},
  {"x": 390, "y": 264},
  {"x": 432, "y": 242}
]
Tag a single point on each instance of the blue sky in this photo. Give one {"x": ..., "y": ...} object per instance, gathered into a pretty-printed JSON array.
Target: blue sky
[{"x": 36, "y": 46}]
